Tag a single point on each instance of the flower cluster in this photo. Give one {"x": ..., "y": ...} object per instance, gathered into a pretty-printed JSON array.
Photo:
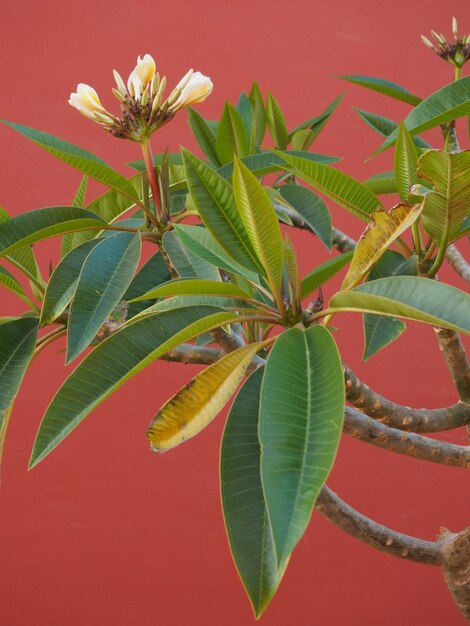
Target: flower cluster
[
  {"x": 143, "y": 109},
  {"x": 456, "y": 52}
]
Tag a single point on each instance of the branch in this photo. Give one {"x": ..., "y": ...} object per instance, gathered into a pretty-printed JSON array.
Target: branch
[
  {"x": 188, "y": 353},
  {"x": 402, "y": 417},
  {"x": 455, "y": 550},
  {"x": 366, "y": 429},
  {"x": 456, "y": 360},
  {"x": 341, "y": 241},
  {"x": 380, "y": 537},
  {"x": 233, "y": 341},
  {"x": 458, "y": 262}
]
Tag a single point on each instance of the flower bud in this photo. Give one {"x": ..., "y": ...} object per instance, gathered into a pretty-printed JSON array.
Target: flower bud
[
  {"x": 86, "y": 100},
  {"x": 195, "y": 90},
  {"x": 142, "y": 74}
]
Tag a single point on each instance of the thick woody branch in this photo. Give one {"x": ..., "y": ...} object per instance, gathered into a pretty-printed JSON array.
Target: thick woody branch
[
  {"x": 341, "y": 241},
  {"x": 456, "y": 360},
  {"x": 188, "y": 353},
  {"x": 362, "y": 397},
  {"x": 374, "y": 534},
  {"x": 232, "y": 341},
  {"x": 458, "y": 262},
  {"x": 455, "y": 550},
  {"x": 366, "y": 429}
]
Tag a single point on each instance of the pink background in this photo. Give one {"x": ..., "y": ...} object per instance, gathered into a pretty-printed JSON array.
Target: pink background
[{"x": 104, "y": 531}]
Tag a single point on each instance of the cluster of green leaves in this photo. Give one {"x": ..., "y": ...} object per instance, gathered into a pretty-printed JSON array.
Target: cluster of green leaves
[{"x": 235, "y": 272}]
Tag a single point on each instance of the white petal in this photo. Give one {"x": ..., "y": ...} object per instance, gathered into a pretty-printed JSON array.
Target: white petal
[{"x": 196, "y": 90}]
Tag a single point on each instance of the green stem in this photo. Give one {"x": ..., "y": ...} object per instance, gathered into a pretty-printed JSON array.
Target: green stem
[
  {"x": 441, "y": 254},
  {"x": 150, "y": 167},
  {"x": 418, "y": 242},
  {"x": 404, "y": 247}
]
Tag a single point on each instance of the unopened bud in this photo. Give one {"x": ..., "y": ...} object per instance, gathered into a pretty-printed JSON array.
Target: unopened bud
[
  {"x": 427, "y": 43},
  {"x": 454, "y": 27},
  {"x": 119, "y": 96},
  {"x": 102, "y": 118},
  {"x": 119, "y": 82},
  {"x": 156, "y": 102},
  {"x": 162, "y": 86},
  {"x": 145, "y": 97},
  {"x": 155, "y": 84},
  {"x": 439, "y": 38}
]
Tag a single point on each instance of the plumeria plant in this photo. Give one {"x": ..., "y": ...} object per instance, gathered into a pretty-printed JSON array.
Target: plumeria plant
[{"x": 223, "y": 288}]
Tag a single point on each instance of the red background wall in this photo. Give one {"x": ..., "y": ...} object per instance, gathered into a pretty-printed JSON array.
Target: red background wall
[{"x": 105, "y": 532}]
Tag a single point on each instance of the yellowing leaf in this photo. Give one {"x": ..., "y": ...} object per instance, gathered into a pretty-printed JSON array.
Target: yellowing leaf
[
  {"x": 196, "y": 404},
  {"x": 383, "y": 231}
]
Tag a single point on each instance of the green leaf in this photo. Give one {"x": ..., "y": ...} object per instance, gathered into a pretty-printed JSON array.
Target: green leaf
[
  {"x": 385, "y": 126},
  {"x": 215, "y": 203},
  {"x": 40, "y": 224},
  {"x": 106, "y": 274},
  {"x": 311, "y": 208},
  {"x": 204, "y": 135},
  {"x": 110, "y": 206},
  {"x": 302, "y": 139},
  {"x": 196, "y": 404},
  {"x": 123, "y": 355},
  {"x": 316, "y": 124},
  {"x": 195, "y": 287},
  {"x": 221, "y": 302},
  {"x": 382, "y": 183},
  {"x": 246, "y": 517},
  {"x": 301, "y": 418},
  {"x": 86, "y": 162},
  {"x": 446, "y": 208},
  {"x": 79, "y": 197},
  {"x": 63, "y": 282},
  {"x": 445, "y": 105},
  {"x": 378, "y": 236},
  {"x": 245, "y": 108},
  {"x": 276, "y": 123},
  {"x": 269, "y": 162},
  {"x": 379, "y": 330},
  {"x": 200, "y": 242},
  {"x": 385, "y": 87},
  {"x": 405, "y": 163},
  {"x": 17, "y": 342},
  {"x": 261, "y": 223},
  {"x": 323, "y": 272},
  {"x": 185, "y": 262},
  {"x": 231, "y": 135},
  {"x": 338, "y": 186},
  {"x": 8, "y": 281},
  {"x": 420, "y": 299},
  {"x": 258, "y": 127},
  {"x": 23, "y": 258},
  {"x": 154, "y": 272}
]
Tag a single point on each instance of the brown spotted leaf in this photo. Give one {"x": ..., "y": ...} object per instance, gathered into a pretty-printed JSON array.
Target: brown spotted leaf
[{"x": 378, "y": 236}]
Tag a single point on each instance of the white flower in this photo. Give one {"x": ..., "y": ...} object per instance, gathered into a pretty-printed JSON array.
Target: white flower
[
  {"x": 195, "y": 87},
  {"x": 87, "y": 102},
  {"x": 142, "y": 75}
]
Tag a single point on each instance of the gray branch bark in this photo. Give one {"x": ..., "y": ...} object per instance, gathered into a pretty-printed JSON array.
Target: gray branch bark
[
  {"x": 458, "y": 262},
  {"x": 374, "y": 534},
  {"x": 366, "y": 429},
  {"x": 363, "y": 398}
]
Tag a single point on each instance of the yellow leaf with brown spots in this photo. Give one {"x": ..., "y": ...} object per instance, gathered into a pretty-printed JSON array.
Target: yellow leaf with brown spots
[
  {"x": 378, "y": 236},
  {"x": 196, "y": 404}
]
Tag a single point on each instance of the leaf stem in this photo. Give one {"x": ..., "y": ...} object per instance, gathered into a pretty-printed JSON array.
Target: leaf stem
[
  {"x": 150, "y": 167},
  {"x": 417, "y": 240},
  {"x": 401, "y": 243}
]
